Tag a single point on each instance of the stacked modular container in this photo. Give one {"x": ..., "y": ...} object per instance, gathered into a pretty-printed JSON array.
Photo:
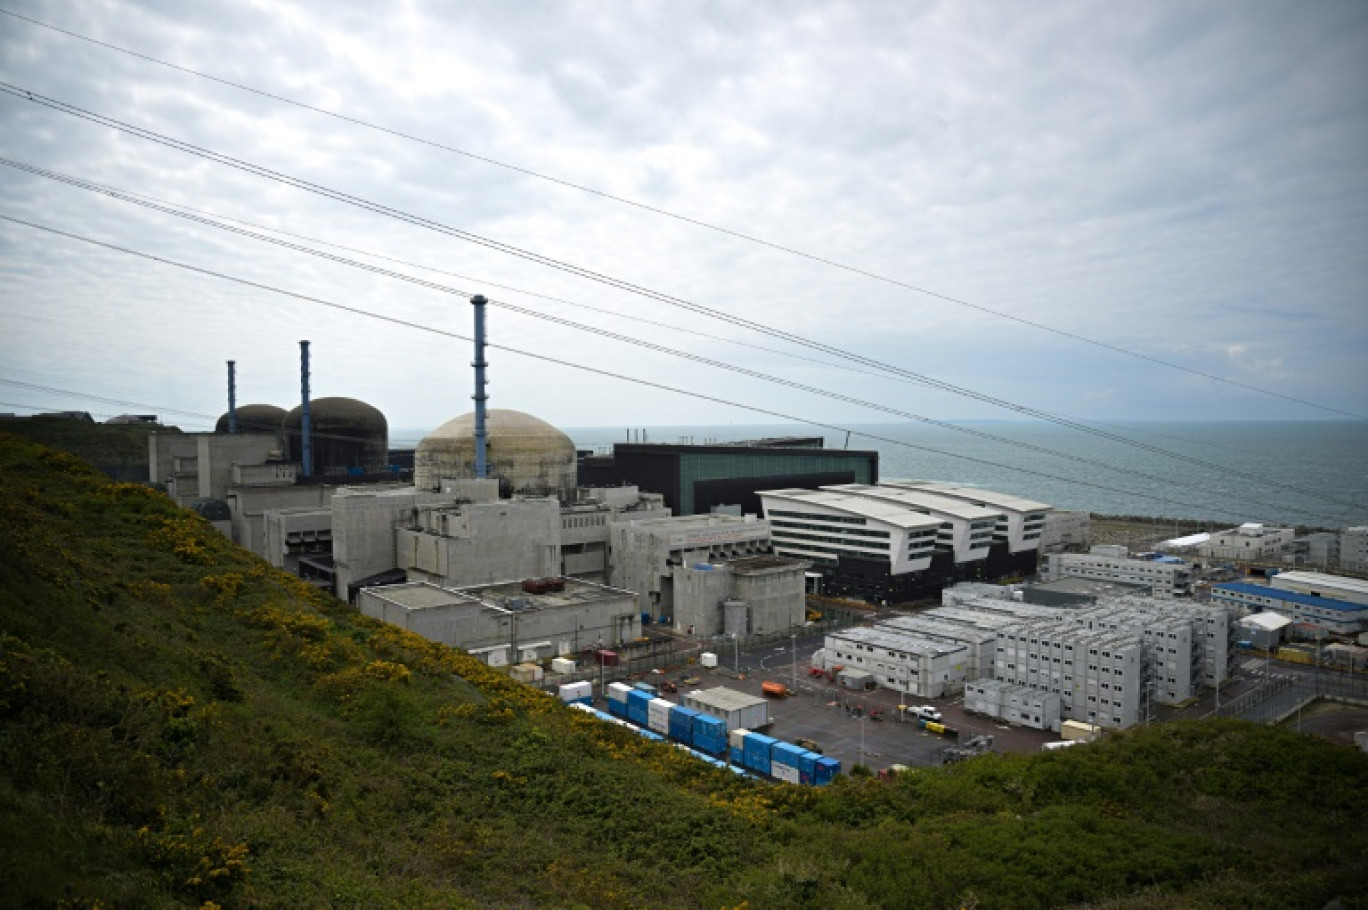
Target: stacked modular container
[
  {"x": 682, "y": 724},
  {"x": 647, "y": 687},
  {"x": 756, "y": 752},
  {"x": 737, "y": 740},
  {"x": 617, "y": 699},
  {"x": 562, "y": 665},
  {"x": 637, "y": 710},
  {"x": 827, "y": 769},
  {"x": 786, "y": 763},
  {"x": 577, "y": 692},
  {"x": 710, "y": 735},
  {"x": 658, "y": 712},
  {"x": 739, "y": 709}
]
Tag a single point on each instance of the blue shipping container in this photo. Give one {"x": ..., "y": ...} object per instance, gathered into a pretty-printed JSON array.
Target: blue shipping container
[
  {"x": 617, "y": 708},
  {"x": 787, "y": 754},
  {"x": 682, "y": 724},
  {"x": 757, "y": 752},
  {"x": 807, "y": 767},
  {"x": 637, "y": 712},
  {"x": 710, "y": 734},
  {"x": 646, "y": 687},
  {"x": 738, "y": 757},
  {"x": 827, "y": 769}
]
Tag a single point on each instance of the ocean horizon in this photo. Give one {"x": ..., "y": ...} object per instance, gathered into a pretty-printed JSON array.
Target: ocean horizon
[{"x": 1306, "y": 473}]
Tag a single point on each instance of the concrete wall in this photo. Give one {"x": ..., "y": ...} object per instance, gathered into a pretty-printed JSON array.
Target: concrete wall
[
  {"x": 364, "y": 524},
  {"x": 777, "y": 597},
  {"x": 290, "y": 533},
  {"x": 482, "y": 543}
]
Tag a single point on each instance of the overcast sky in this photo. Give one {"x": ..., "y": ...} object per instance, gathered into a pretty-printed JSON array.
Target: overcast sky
[{"x": 1184, "y": 181}]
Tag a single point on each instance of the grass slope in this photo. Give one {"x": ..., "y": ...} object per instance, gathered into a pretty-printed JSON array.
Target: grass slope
[{"x": 183, "y": 726}]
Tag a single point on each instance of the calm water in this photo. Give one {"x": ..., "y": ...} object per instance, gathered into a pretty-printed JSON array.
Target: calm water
[{"x": 1310, "y": 472}]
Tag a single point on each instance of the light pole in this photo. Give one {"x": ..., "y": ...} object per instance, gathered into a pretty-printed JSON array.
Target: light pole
[
  {"x": 862, "y": 749},
  {"x": 736, "y": 640},
  {"x": 793, "y": 637}
]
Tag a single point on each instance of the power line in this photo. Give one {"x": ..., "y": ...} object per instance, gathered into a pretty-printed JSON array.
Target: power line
[
  {"x": 740, "y": 235},
  {"x": 177, "y": 209},
  {"x": 653, "y": 346},
  {"x": 437, "y": 227},
  {"x": 611, "y": 374}
]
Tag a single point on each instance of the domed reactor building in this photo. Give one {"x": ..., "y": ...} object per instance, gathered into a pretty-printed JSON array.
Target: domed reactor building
[
  {"x": 348, "y": 436},
  {"x": 525, "y": 453},
  {"x": 254, "y": 418}
]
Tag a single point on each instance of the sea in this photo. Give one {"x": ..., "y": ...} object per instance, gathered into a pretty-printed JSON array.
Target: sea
[{"x": 1285, "y": 473}]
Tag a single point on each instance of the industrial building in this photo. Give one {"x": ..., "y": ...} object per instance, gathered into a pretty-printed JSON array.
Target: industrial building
[
  {"x": 1164, "y": 576},
  {"x": 902, "y": 661},
  {"x": 1311, "y": 613},
  {"x": 1250, "y": 541},
  {"x": 508, "y": 623},
  {"x": 709, "y": 574},
  {"x": 700, "y": 479},
  {"x": 904, "y": 540},
  {"x": 738, "y": 710},
  {"x": 1353, "y": 549},
  {"x": 1066, "y": 531},
  {"x": 1105, "y": 663}
]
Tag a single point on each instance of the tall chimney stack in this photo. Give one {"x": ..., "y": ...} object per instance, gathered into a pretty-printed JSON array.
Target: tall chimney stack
[
  {"x": 306, "y": 433},
  {"x": 232, "y": 398},
  {"x": 481, "y": 431}
]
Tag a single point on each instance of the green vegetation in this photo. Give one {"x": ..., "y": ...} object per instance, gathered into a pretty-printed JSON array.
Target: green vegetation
[
  {"x": 119, "y": 450},
  {"x": 182, "y": 726}
]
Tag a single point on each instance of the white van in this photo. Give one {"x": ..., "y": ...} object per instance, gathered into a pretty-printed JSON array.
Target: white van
[{"x": 926, "y": 712}]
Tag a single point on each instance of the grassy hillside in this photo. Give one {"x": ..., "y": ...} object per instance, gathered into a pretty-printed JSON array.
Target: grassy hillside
[
  {"x": 182, "y": 726},
  {"x": 119, "y": 450}
]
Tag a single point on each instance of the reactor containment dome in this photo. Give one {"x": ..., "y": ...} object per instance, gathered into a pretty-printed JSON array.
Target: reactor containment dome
[
  {"x": 349, "y": 436},
  {"x": 525, "y": 453},
  {"x": 254, "y": 418}
]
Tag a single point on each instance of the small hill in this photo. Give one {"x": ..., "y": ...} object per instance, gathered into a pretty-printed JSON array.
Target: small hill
[
  {"x": 117, "y": 450},
  {"x": 183, "y": 726}
]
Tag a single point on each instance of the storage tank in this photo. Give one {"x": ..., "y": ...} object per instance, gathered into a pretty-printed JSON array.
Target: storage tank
[{"x": 349, "y": 436}]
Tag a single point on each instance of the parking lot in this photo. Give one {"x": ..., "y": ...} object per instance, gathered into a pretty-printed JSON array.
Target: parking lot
[{"x": 839, "y": 720}]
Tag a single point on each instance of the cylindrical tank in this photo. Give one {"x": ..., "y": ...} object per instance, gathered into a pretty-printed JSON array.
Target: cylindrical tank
[
  {"x": 349, "y": 436},
  {"x": 254, "y": 418}
]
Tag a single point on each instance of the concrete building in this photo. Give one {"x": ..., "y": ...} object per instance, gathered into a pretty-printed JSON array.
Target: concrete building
[
  {"x": 195, "y": 466},
  {"x": 503, "y": 623},
  {"x": 475, "y": 543},
  {"x": 644, "y": 553},
  {"x": 1164, "y": 576},
  {"x": 749, "y": 595},
  {"x": 1310, "y": 612},
  {"x": 586, "y": 519},
  {"x": 1248, "y": 542},
  {"x": 1066, "y": 531},
  {"x": 1263, "y": 630},
  {"x": 902, "y": 661},
  {"x": 1074, "y": 592},
  {"x": 1318, "y": 550},
  {"x": 1353, "y": 549},
  {"x": 699, "y": 479}
]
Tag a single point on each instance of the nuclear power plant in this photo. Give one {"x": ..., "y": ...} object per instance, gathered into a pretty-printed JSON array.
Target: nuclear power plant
[{"x": 673, "y": 535}]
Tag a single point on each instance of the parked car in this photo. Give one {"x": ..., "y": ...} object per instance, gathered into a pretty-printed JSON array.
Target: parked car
[{"x": 927, "y": 712}]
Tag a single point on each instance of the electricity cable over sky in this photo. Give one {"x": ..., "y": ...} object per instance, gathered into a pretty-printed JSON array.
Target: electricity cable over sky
[
  {"x": 736, "y": 234},
  {"x": 649, "y": 345},
  {"x": 608, "y": 373}
]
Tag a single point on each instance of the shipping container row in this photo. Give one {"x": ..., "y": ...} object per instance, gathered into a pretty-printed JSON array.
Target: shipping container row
[{"x": 708, "y": 736}]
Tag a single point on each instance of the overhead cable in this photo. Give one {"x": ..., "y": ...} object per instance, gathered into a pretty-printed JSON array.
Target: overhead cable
[{"x": 740, "y": 235}]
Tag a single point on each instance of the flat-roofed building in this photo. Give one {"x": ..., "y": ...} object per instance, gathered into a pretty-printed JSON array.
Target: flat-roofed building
[
  {"x": 1020, "y": 521},
  {"x": 1250, "y": 541},
  {"x": 1338, "y": 617},
  {"x": 1164, "y": 576},
  {"x": 504, "y": 623},
  {"x": 824, "y": 525},
  {"x": 1321, "y": 584},
  {"x": 901, "y": 661},
  {"x": 965, "y": 529}
]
